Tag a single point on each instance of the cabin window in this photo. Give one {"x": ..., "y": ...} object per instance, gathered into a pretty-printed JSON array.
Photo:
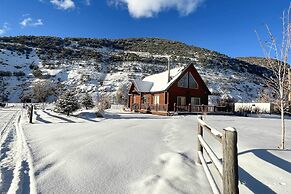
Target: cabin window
[
  {"x": 144, "y": 99},
  {"x": 181, "y": 100},
  {"x": 192, "y": 82},
  {"x": 195, "y": 101},
  {"x": 183, "y": 82},
  {"x": 188, "y": 81},
  {"x": 156, "y": 99}
]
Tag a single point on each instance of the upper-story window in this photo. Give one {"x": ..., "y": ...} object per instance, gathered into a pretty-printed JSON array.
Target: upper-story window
[
  {"x": 188, "y": 81},
  {"x": 183, "y": 82},
  {"x": 192, "y": 82}
]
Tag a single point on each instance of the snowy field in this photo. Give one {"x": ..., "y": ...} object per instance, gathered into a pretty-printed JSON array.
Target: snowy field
[{"x": 138, "y": 153}]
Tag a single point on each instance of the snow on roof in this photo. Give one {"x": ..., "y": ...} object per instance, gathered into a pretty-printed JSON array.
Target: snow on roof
[
  {"x": 143, "y": 86},
  {"x": 158, "y": 82}
]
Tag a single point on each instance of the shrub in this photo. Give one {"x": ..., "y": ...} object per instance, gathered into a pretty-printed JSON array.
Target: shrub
[
  {"x": 37, "y": 73},
  {"x": 87, "y": 101},
  {"x": 103, "y": 103},
  {"x": 67, "y": 103},
  {"x": 19, "y": 73}
]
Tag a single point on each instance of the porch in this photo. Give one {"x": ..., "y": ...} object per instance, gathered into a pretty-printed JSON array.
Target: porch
[{"x": 182, "y": 109}]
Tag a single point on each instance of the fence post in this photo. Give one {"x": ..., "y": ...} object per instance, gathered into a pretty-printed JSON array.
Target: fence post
[
  {"x": 189, "y": 107},
  {"x": 199, "y": 146},
  {"x": 31, "y": 114},
  {"x": 230, "y": 161}
]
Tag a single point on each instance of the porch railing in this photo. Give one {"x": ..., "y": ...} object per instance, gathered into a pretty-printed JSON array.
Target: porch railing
[
  {"x": 195, "y": 108},
  {"x": 155, "y": 107},
  {"x": 182, "y": 108}
]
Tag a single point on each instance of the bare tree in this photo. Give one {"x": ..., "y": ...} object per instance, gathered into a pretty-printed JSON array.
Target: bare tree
[
  {"x": 122, "y": 94},
  {"x": 277, "y": 54},
  {"x": 42, "y": 89},
  {"x": 103, "y": 103}
]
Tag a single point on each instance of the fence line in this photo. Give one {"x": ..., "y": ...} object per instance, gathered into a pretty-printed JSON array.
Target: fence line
[{"x": 228, "y": 167}]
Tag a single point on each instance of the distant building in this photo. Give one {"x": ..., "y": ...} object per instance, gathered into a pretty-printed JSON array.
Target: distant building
[
  {"x": 179, "y": 89},
  {"x": 254, "y": 107}
]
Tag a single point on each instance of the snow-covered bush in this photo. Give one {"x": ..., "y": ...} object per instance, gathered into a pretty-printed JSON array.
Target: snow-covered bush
[
  {"x": 87, "y": 101},
  {"x": 67, "y": 103},
  {"x": 103, "y": 103}
]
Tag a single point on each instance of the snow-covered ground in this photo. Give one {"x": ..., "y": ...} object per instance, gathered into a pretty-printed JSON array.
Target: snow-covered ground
[
  {"x": 138, "y": 153},
  {"x": 17, "y": 174}
]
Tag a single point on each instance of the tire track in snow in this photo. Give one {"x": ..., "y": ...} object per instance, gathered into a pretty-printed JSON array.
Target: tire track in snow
[
  {"x": 6, "y": 150},
  {"x": 19, "y": 177}
]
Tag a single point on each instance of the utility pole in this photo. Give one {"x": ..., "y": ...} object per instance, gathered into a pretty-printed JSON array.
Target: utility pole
[{"x": 169, "y": 69}]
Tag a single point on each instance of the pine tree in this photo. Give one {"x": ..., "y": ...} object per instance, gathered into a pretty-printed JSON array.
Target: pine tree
[
  {"x": 67, "y": 103},
  {"x": 87, "y": 101}
]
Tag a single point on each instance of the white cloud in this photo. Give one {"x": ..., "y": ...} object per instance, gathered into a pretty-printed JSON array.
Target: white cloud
[
  {"x": 63, "y": 4},
  {"x": 4, "y": 29},
  {"x": 88, "y": 2},
  {"x": 30, "y": 22},
  {"x": 150, "y": 8}
]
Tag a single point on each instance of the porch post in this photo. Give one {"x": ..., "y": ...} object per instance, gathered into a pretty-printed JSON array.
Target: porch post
[
  {"x": 140, "y": 101},
  {"x": 168, "y": 101},
  {"x": 132, "y": 101}
]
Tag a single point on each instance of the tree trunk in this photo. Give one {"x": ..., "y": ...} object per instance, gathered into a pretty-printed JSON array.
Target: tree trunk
[{"x": 282, "y": 145}]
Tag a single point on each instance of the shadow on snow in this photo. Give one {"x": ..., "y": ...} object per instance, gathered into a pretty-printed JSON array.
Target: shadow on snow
[
  {"x": 59, "y": 117},
  {"x": 252, "y": 183}
]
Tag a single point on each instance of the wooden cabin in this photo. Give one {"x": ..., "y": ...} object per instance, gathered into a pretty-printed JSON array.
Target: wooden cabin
[{"x": 177, "y": 90}]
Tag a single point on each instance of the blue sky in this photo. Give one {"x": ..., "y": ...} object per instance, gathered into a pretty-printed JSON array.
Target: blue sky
[{"x": 226, "y": 26}]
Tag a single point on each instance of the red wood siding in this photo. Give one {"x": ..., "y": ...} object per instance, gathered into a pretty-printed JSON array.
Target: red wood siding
[{"x": 175, "y": 91}]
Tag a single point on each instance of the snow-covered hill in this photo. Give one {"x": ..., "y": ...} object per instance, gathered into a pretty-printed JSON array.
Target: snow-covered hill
[{"x": 101, "y": 66}]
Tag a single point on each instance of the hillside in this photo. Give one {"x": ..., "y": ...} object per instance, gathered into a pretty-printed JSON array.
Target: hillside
[
  {"x": 260, "y": 61},
  {"x": 102, "y": 66}
]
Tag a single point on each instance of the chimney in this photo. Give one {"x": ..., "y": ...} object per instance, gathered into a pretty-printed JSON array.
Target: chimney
[{"x": 169, "y": 75}]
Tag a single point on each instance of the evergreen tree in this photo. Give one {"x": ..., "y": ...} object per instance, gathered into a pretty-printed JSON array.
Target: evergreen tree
[
  {"x": 67, "y": 103},
  {"x": 87, "y": 101}
]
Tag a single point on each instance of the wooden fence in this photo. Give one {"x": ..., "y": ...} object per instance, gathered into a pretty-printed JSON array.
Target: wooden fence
[
  {"x": 228, "y": 167},
  {"x": 30, "y": 113}
]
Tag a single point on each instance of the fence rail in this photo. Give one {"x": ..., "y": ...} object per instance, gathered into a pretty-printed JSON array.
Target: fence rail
[
  {"x": 228, "y": 167},
  {"x": 181, "y": 108},
  {"x": 155, "y": 107}
]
